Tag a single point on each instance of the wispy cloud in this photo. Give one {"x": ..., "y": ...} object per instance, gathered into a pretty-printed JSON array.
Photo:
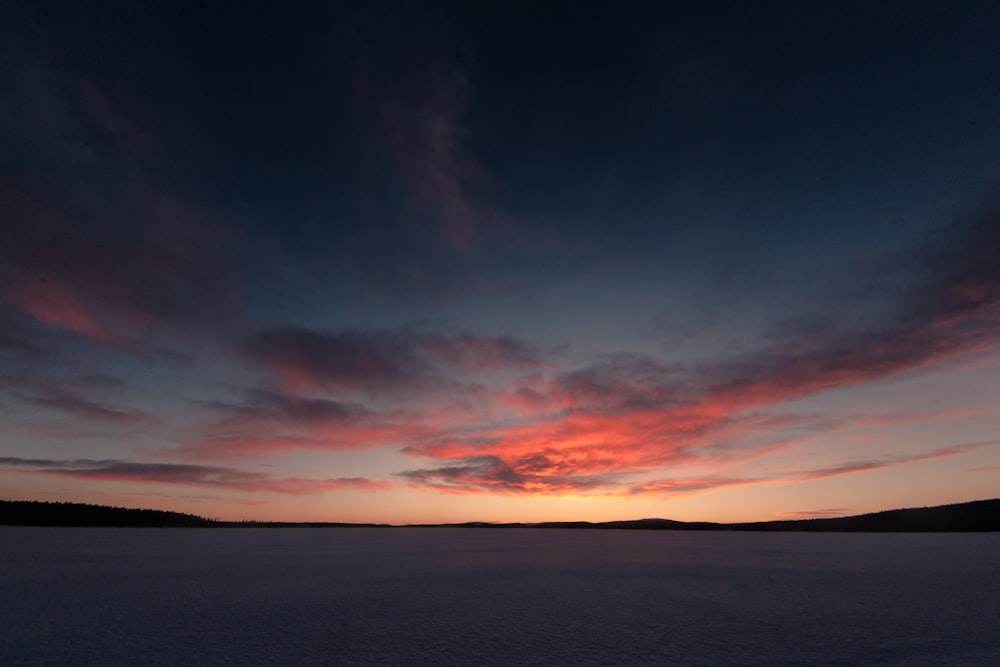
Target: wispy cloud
[
  {"x": 91, "y": 243},
  {"x": 866, "y": 464},
  {"x": 67, "y": 399},
  {"x": 183, "y": 474},
  {"x": 117, "y": 290},
  {"x": 524, "y": 427},
  {"x": 422, "y": 103},
  {"x": 441, "y": 169},
  {"x": 827, "y": 513},
  {"x": 492, "y": 474},
  {"x": 263, "y": 405},
  {"x": 377, "y": 362},
  {"x": 539, "y": 475}
]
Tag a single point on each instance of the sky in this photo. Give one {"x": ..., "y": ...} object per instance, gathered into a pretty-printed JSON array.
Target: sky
[{"x": 405, "y": 262}]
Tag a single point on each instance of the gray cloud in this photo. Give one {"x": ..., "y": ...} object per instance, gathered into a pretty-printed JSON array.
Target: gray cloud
[
  {"x": 185, "y": 474},
  {"x": 71, "y": 400},
  {"x": 379, "y": 362}
]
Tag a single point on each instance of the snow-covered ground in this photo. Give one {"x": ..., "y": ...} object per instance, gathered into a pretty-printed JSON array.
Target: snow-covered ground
[{"x": 438, "y": 596}]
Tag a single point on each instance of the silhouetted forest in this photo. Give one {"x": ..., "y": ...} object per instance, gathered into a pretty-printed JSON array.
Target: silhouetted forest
[
  {"x": 38, "y": 513},
  {"x": 33, "y": 513},
  {"x": 976, "y": 516}
]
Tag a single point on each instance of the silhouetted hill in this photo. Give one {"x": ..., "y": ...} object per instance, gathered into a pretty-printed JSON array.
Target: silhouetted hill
[
  {"x": 981, "y": 515},
  {"x": 976, "y": 516}
]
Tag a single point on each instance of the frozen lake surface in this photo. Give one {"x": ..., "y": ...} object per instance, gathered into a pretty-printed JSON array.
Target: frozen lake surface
[{"x": 436, "y": 596}]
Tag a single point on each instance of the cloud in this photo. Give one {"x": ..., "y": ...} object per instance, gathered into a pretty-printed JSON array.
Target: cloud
[
  {"x": 961, "y": 283},
  {"x": 377, "y": 362},
  {"x": 71, "y": 400},
  {"x": 118, "y": 289},
  {"x": 539, "y": 475},
  {"x": 440, "y": 170},
  {"x": 817, "y": 514},
  {"x": 91, "y": 243},
  {"x": 231, "y": 438},
  {"x": 414, "y": 107},
  {"x": 190, "y": 475},
  {"x": 262, "y": 405},
  {"x": 265, "y": 420},
  {"x": 913, "y": 417},
  {"x": 491, "y": 474},
  {"x": 535, "y": 476},
  {"x": 668, "y": 488},
  {"x": 492, "y": 416},
  {"x": 863, "y": 465},
  {"x": 530, "y": 429},
  {"x": 949, "y": 307}
]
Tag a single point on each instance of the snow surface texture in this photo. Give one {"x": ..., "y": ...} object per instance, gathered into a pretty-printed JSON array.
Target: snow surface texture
[{"x": 440, "y": 596}]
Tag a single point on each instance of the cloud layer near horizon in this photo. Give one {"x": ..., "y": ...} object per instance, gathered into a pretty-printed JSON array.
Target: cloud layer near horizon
[
  {"x": 502, "y": 418},
  {"x": 518, "y": 425}
]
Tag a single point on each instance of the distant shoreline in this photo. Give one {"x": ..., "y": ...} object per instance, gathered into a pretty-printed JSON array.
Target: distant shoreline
[{"x": 975, "y": 516}]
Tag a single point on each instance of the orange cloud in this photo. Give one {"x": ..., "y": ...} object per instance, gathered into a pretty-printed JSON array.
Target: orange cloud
[{"x": 492, "y": 416}]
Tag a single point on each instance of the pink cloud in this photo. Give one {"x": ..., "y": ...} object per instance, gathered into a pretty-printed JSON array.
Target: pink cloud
[
  {"x": 524, "y": 427},
  {"x": 57, "y": 307},
  {"x": 117, "y": 285},
  {"x": 539, "y": 475},
  {"x": 536, "y": 432}
]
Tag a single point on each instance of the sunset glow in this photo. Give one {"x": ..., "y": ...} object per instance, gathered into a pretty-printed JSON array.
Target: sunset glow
[{"x": 318, "y": 266}]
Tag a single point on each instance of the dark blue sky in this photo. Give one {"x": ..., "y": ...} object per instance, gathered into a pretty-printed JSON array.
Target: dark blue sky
[{"x": 521, "y": 251}]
